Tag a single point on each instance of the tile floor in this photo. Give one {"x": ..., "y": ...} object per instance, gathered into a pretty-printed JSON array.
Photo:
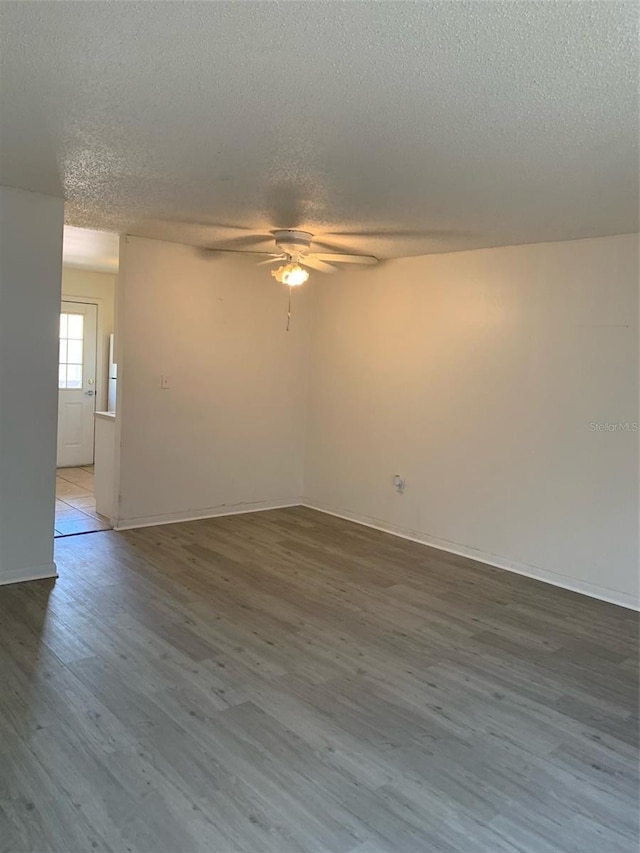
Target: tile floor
[{"x": 76, "y": 503}]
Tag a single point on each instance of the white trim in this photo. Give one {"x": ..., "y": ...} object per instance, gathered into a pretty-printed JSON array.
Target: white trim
[
  {"x": 198, "y": 515},
  {"x": 33, "y": 574},
  {"x": 623, "y": 599}
]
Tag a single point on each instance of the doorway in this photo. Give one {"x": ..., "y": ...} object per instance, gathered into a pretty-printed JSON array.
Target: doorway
[
  {"x": 86, "y": 327},
  {"x": 77, "y": 374}
]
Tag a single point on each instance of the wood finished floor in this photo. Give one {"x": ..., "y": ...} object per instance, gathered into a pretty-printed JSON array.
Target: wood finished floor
[{"x": 287, "y": 682}]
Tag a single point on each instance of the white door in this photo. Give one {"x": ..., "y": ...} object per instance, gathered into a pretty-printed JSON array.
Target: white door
[{"x": 76, "y": 384}]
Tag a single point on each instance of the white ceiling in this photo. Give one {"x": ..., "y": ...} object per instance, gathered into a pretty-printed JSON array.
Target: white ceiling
[
  {"x": 464, "y": 124},
  {"x": 88, "y": 249}
]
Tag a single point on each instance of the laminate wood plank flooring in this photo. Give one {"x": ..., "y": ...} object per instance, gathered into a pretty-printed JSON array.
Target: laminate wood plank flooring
[{"x": 288, "y": 682}]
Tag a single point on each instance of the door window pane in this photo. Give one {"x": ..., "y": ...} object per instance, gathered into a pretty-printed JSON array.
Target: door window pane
[
  {"x": 70, "y": 360},
  {"x": 76, "y": 322},
  {"x": 74, "y": 376},
  {"x": 74, "y": 352}
]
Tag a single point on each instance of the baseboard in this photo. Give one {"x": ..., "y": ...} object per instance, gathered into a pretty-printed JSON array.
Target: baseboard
[
  {"x": 36, "y": 573},
  {"x": 555, "y": 579},
  {"x": 199, "y": 515}
]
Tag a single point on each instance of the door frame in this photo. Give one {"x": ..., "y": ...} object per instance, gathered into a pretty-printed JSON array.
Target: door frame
[{"x": 102, "y": 353}]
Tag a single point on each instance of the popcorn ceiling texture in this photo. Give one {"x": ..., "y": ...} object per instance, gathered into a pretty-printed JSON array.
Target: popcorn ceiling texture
[{"x": 463, "y": 124}]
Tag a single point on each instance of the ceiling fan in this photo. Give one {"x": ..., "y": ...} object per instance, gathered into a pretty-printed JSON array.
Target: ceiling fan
[{"x": 294, "y": 251}]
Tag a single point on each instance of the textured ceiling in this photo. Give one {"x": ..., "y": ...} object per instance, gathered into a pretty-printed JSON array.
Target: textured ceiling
[{"x": 459, "y": 124}]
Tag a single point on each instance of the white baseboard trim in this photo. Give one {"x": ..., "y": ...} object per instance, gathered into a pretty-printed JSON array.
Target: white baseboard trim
[
  {"x": 622, "y": 599},
  {"x": 199, "y": 515},
  {"x": 35, "y": 573}
]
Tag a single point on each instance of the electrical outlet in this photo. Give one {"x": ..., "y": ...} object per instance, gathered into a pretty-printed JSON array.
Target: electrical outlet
[{"x": 398, "y": 483}]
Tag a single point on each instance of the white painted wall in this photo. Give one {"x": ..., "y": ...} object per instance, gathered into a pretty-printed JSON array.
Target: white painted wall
[
  {"x": 97, "y": 287},
  {"x": 228, "y": 434},
  {"x": 30, "y": 270},
  {"x": 477, "y": 376}
]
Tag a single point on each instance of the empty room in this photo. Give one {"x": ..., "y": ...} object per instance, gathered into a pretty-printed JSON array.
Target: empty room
[{"x": 319, "y": 406}]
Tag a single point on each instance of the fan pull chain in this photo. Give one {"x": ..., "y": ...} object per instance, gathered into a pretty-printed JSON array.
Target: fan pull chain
[{"x": 289, "y": 311}]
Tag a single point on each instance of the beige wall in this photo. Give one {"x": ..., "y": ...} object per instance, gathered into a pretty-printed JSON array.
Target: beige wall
[
  {"x": 228, "y": 433},
  {"x": 98, "y": 287},
  {"x": 30, "y": 264},
  {"x": 477, "y": 376}
]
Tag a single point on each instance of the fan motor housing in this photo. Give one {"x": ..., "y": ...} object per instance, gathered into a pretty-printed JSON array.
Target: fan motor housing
[{"x": 292, "y": 242}]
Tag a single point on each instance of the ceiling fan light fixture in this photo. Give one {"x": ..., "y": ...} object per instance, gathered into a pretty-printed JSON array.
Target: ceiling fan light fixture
[{"x": 291, "y": 274}]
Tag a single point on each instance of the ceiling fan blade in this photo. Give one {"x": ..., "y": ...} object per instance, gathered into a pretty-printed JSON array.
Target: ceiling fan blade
[
  {"x": 391, "y": 233},
  {"x": 226, "y": 226},
  {"x": 210, "y": 250},
  {"x": 275, "y": 259},
  {"x": 246, "y": 240},
  {"x": 323, "y": 245},
  {"x": 345, "y": 259},
  {"x": 242, "y": 252},
  {"x": 316, "y": 264}
]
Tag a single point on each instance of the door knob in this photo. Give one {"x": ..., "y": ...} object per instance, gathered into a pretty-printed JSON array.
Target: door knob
[{"x": 89, "y": 393}]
